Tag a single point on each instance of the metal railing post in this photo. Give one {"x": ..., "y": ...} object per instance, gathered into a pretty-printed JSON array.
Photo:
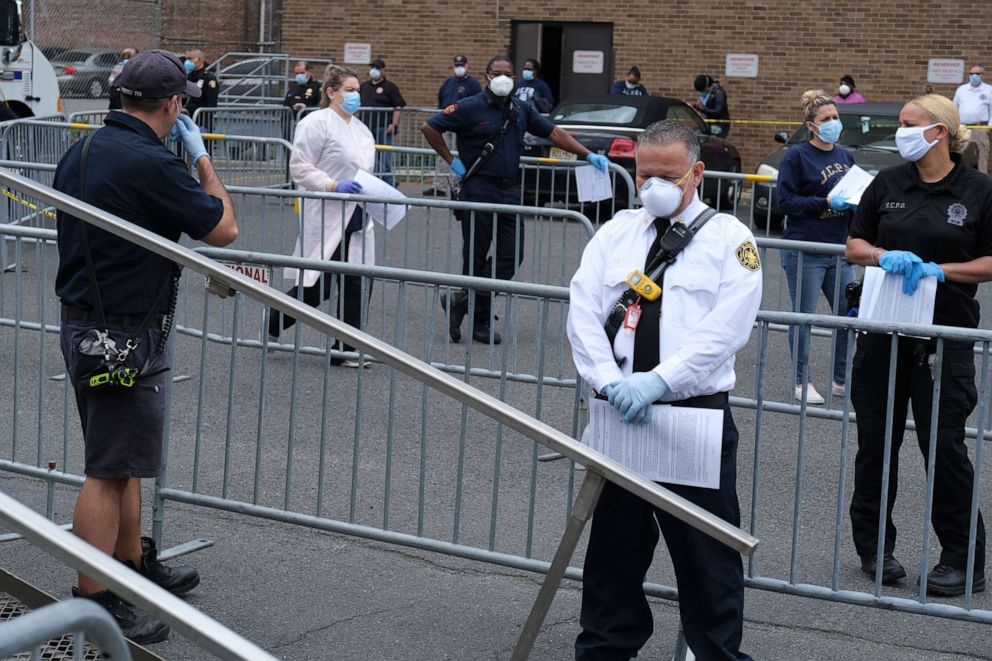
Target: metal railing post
[{"x": 585, "y": 505}]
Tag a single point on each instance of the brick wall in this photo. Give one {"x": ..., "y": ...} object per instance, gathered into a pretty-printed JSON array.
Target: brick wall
[
  {"x": 884, "y": 45},
  {"x": 214, "y": 26}
]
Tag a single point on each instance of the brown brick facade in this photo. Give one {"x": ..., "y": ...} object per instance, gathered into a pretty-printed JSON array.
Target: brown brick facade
[{"x": 884, "y": 45}]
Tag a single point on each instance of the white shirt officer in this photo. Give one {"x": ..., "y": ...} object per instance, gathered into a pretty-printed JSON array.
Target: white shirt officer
[
  {"x": 974, "y": 103},
  {"x": 710, "y": 298}
]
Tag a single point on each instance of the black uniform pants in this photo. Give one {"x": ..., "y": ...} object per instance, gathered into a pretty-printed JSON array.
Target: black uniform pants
[
  {"x": 478, "y": 229},
  {"x": 953, "y": 472},
  {"x": 320, "y": 291},
  {"x": 616, "y": 619}
]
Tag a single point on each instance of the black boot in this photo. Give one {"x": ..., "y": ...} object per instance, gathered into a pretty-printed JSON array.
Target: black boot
[
  {"x": 456, "y": 312},
  {"x": 177, "y": 580},
  {"x": 142, "y": 629}
]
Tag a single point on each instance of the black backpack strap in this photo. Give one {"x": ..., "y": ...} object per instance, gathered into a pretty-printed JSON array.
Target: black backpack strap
[
  {"x": 666, "y": 254},
  {"x": 491, "y": 147}
]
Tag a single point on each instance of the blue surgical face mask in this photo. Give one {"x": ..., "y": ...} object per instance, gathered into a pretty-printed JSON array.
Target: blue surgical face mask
[
  {"x": 375, "y": 74},
  {"x": 976, "y": 79},
  {"x": 830, "y": 131},
  {"x": 351, "y": 103},
  {"x": 704, "y": 97},
  {"x": 301, "y": 78},
  {"x": 528, "y": 74},
  {"x": 189, "y": 66}
]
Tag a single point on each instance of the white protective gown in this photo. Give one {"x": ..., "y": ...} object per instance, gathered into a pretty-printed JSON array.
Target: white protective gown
[{"x": 328, "y": 147}]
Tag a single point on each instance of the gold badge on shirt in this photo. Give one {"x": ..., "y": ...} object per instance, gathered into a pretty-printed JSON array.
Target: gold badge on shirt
[{"x": 747, "y": 255}]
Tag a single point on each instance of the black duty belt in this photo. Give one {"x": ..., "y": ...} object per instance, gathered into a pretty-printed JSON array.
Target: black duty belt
[
  {"x": 715, "y": 401},
  {"x": 72, "y": 313}
]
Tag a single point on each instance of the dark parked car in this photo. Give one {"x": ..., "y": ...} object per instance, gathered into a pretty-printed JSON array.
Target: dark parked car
[
  {"x": 84, "y": 72},
  {"x": 610, "y": 125},
  {"x": 869, "y": 131}
]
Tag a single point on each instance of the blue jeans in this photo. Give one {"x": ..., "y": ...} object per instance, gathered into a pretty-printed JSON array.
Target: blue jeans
[
  {"x": 384, "y": 159},
  {"x": 819, "y": 274}
]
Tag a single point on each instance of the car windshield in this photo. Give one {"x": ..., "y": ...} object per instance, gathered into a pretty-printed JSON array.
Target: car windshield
[
  {"x": 74, "y": 56},
  {"x": 862, "y": 131},
  {"x": 598, "y": 113}
]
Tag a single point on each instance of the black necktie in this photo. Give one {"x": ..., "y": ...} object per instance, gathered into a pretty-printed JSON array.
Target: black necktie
[{"x": 648, "y": 333}]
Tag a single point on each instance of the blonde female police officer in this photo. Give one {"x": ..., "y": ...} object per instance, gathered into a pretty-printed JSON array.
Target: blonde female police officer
[
  {"x": 681, "y": 352},
  {"x": 329, "y": 149},
  {"x": 931, "y": 217}
]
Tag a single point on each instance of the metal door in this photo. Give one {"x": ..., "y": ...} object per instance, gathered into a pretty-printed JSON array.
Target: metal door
[{"x": 587, "y": 59}]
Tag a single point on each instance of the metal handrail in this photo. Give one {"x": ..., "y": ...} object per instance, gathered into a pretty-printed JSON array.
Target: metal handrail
[
  {"x": 26, "y": 632},
  {"x": 490, "y": 406},
  {"x": 203, "y": 630}
]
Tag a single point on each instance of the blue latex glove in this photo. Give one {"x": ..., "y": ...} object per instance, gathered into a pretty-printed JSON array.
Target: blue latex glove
[
  {"x": 634, "y": 394},
  {"x": 189, "y": 133},
  {"x": 899, "y": 262},
  {"x": 911, "y": 280},
  {"x": 840, "y": 203},
  {"x": 598, "y": 161},
  {"x": 458, "y": 167},
  {"x": 609, "y": 388},
  {"x": 348, "y": 186}
]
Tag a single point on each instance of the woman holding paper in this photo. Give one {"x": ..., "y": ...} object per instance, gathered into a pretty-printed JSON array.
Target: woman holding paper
[
  {"x": 330, "y": 148},
  {"x": 808, "y": 173},
  {"x": 931, "y": 217}
]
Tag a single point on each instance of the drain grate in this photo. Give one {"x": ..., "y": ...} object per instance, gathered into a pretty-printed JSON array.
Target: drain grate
[{"x": 57, "y": 648}]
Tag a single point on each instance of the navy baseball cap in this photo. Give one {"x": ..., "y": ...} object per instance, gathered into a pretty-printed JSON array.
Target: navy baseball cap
[
  {"x": 460, "y": 59},
  {"x": 155, "y": 74}
]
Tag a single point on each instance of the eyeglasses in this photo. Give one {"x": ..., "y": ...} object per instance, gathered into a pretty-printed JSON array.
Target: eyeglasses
[
  {"x": 977, "y": 73},
  {"x": 490, "y": 76}
]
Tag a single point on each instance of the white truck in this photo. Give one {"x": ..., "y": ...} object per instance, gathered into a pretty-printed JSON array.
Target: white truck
[{"x": 28, "y": 87}]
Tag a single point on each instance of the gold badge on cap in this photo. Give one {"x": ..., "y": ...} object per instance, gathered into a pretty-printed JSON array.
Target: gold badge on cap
[{"x": 747, "y": 255}]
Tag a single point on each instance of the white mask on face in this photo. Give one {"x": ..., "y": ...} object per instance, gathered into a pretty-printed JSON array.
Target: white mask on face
[
  {"x": 844, "y": 90},
  {"x": 460, "y": 72},
  {"x": 661, "y": 198},
  {"x": 912, "y": 144},
  {"x": 501, "y": 85}
]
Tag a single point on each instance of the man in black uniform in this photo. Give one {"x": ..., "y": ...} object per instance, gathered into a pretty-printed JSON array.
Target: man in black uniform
[
  {"x": 495, "y": 118},
  {"x": 116, "y": 310},
  {"x": 712, "y": 103},
  {"x": 304, "y": 91},
  {"x": 206, "y": 81},
  {"x": 931, "y": 217},
  {"x": 377, "y": 92}
]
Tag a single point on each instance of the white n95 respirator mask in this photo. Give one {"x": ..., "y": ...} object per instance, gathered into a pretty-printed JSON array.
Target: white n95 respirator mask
[
  {"x": 660, "y": 197},
  {"x": 501, "y": 85}
]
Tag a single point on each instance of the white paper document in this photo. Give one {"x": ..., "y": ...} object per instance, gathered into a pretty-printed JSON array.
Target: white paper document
[
  {"x": 852, "y": 185},
  {"x": 676, "y": 444},
  {"x": 387, "y": 215},
  {"x": 882, "y": 298},
  {"x": 593, "y": 185}
]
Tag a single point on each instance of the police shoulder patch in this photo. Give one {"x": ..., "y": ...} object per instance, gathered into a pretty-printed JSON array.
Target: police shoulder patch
[
  {"x": 450, "y": 109},
  {"x": 213, "y": 83},
  {"x": 747, "y": 255}
]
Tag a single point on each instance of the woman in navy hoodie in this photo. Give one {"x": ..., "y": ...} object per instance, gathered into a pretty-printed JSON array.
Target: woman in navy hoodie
[{"x": 807, "y": 174}]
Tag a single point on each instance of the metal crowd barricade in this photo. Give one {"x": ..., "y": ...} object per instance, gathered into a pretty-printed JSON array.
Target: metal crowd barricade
[
  {"x": 296, "y": 439},
  {"x": 405, "y": 374},
  {"x": 208, "y": 634},
  {"x": 31, "y": 632},
  {"x": 260, "y": 121},
  {"x": 88, "y": 117},
  {"x": 257, "y": 78}
]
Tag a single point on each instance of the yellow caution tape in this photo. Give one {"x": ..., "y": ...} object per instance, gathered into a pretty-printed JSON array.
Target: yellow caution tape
[
  {"x": 765, "y": 122},
  {"x": 383, "y": 147},
  {"x": 981, "y": 127},
  {"x": 548, "y": 161},
  {"x": 29, "y": 204},
  {"x": 760, "y": 178},
  {"x": 212, "y": 136}
]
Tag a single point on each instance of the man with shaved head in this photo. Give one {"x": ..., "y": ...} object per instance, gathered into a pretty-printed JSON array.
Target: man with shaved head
[{"x": 197, "y": 74}]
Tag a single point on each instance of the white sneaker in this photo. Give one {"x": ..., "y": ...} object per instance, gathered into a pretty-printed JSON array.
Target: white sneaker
[
  {"x": 838, "y": 389},
  {"x": 812, "y": 396}
]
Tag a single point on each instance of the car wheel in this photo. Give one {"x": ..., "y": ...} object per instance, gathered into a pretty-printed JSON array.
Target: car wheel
[{"x": 95, "y": 89}]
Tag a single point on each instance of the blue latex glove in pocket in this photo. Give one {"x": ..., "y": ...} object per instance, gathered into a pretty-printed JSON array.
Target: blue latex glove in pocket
[
  {"x": 348, "y": 186},
  {"x": 634, "y": 394},
  {"x": 911, "y": 280},
  {"x": 598, "y": 161},
  {"x": 458, "y": 167},
  {"x": 898, "y": 262}
]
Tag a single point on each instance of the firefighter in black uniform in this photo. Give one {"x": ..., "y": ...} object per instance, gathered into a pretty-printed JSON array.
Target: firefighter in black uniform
[
  {"x": 931, "y": 217},
  {"x": 206, "y": 81},
  {"x": 304, "y": 91}
]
